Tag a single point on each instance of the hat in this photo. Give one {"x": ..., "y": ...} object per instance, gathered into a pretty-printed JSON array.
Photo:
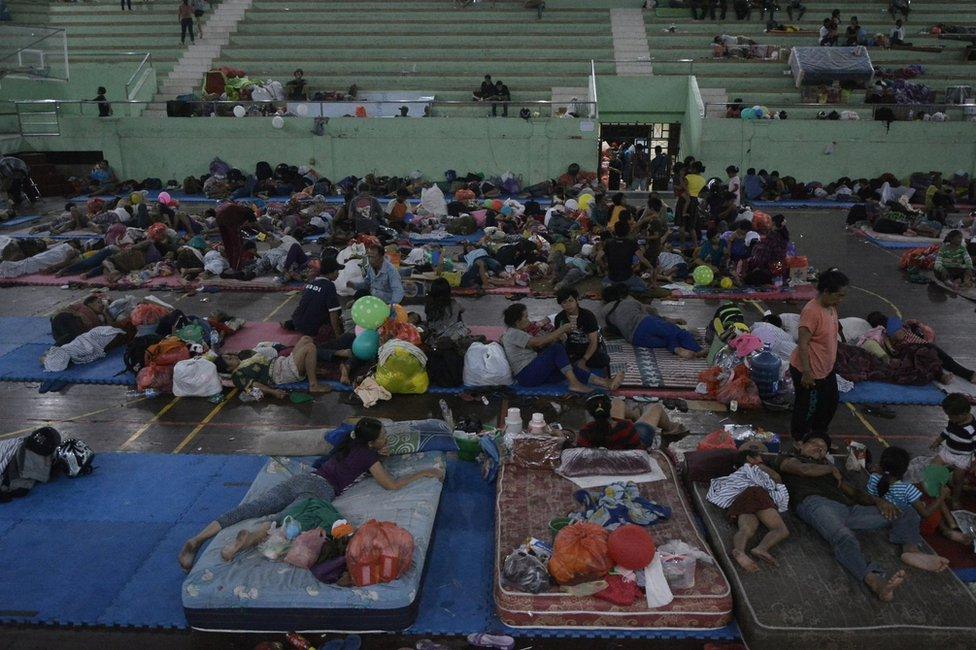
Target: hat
[
  {"x": 751, "y": 236},
  {"x": 572, "y": 204},
  {"x": 303, "y": 170},
  {"x": 329, "y": 265}
]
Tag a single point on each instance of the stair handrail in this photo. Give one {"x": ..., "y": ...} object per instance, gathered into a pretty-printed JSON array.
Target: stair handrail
[{"x": 144, "y": 65}]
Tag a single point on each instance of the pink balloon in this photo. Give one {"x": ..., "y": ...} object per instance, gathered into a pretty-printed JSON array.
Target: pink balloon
[
  {"x": 164, "y": 197},
  {"x": 359, "y": 330}
]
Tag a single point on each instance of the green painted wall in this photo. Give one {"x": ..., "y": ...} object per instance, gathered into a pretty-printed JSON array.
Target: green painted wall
[
  {"x": 641, "y": 99},
  {"x": 176, "y": 147},
  {"x": 862, "y": 149},
  {"x": 691, "y": 125}
]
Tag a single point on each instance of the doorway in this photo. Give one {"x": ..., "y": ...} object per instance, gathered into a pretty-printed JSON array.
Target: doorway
[{"x": 618, "y": 137}]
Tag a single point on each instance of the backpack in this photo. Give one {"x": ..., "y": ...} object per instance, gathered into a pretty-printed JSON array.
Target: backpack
[
  {"x": 445, "y": 364},
  {"x": 263, "y": 170},
  {"x": 152, "y": 184},
  {"x": 461, "y": 226},
  {"x": 134, "y": 357},
  {"x": 74, "y": 458},
  {"x": 192, "y": 185},
  {"x": 167, "y": 352},
  {"x": 169, "y": 323}
]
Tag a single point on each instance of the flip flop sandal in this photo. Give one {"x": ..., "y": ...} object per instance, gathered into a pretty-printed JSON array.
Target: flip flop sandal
[
  {"x": 881, "y": 411},
  {"x": 669, "y": 403}
]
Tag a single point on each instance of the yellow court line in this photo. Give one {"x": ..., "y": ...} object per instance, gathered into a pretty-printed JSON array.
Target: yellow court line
[
  {"x": 894, "y": 307},
  {"x": 868, "y": 425},
  {"x": 210, "y": 416},
  {"x": 278, "y": 308},
  {"x": 11, "y": 434},
  {"x": 141, "y": 430}
]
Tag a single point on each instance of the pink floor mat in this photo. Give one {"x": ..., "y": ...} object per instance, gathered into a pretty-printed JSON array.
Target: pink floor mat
[{"x": 253, "y": 333}]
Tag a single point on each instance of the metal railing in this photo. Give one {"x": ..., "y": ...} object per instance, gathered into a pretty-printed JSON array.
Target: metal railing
[
  {"x": 138, "y": 78},
  {"x": 901, "y": 112},
  {"x": 34, "y": 52}
]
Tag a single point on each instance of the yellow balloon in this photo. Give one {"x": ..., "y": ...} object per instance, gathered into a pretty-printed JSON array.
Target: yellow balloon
[
  {"x": 584, "y": 201},
  {"x": 136, "y": 198},
  {"x": 401, "y": 314},
  {"x": 725, "y": 283}
]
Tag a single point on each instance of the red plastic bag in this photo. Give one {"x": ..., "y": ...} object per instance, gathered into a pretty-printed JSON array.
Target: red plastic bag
[
  {"x": 761, "y": 222},
  {"x": 741, "y": 389},
  {"x": 167, "y": 352},
  {"x": 710, "y": 378},
  {"x": 464, "y": 194},
  {"x": 380, "y": 551},
  {"x": 147, "y": 314},
  {"x": 718, "y": 439},
  {"x": 580, "y": 554},
  {"x": 159, "y": 378},
  {"x": 392, "y": 329}
]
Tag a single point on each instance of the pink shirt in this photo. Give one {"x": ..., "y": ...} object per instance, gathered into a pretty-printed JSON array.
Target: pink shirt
[{"x": 822, "y": 349}]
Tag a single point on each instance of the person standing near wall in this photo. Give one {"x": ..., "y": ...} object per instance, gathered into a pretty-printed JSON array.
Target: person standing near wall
[
  {"x": 185, "y": 13},
  {"x": 659, "y": 170},
  {"x": 812, "y": 364}
]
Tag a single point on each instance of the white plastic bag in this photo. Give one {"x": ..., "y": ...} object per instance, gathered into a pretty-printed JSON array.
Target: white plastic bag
[
  {"x": 432, "y": 201},
  {"x": 196, "y": 378},
  {"x": 486, "y": 365},
  {"x": 351, "y": 272}
]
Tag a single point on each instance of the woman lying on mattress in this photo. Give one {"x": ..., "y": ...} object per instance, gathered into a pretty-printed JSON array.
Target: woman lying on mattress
[
  {"x": 360, "y": 453},
  {"x": 617, "y": 427},
  {"x": 891, "y": 333}
]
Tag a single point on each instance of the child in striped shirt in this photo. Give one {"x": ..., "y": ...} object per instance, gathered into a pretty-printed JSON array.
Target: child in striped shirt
[
  {"x": 957, "y": 442},
  {"x": 887, "y": 484}
]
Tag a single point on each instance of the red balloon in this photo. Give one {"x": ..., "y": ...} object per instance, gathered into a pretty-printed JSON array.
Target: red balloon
[{"x": 631, "y": 547}]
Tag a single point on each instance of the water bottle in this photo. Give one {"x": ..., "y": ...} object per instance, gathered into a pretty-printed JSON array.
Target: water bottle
[
  {"x": 765, "y": 370},
  {"x": 214, "y": 338}
]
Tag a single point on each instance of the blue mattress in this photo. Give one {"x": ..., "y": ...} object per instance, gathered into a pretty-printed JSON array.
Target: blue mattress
[
  {"x": 255, "y": 594},
  {"x": 803, "y": 204}
]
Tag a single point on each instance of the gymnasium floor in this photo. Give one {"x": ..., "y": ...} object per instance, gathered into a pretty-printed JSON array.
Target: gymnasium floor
[{"x": 109, "y": 421}]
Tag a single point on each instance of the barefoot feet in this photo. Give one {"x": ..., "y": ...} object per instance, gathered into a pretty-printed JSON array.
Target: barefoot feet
[
  {"x": 885, "y": 591},
  {"x": 764, "y": 555},
  {"x": 745, "y": 561},
  {"x": 925, "y": 561}
]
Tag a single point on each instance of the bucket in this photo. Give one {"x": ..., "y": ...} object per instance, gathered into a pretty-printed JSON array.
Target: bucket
[
  {"x": 469, "y": 446},
  {"x": 557, "y": 524},
  {"x": 679, "y": 571}
]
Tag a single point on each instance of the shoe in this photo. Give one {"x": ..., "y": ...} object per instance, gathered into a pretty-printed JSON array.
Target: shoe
[
  {"x": 880, "y": 411},
  {"x": 483, "y": 640}
]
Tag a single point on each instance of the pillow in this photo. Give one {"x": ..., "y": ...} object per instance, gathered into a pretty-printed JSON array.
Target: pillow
[
  {"x": 703, "y": 466},
  {"x": 581, "y": 461},
  {"x": 399, "y": 442},
  {"x": 537, "y": 451}
]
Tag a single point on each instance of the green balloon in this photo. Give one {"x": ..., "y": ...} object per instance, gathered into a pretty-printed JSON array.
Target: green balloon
[
  {"x": 703, "y": 276},
  {"x": 369, "y": 312}
]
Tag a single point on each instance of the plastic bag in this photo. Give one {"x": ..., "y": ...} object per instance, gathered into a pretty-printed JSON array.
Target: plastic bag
[
  {"x": 380, "y": 551},
  {"x": 351, "y": 272},
  {"x": 712, "y": 378},
  {"x": 525, "y": 572},
  {"x": 393, "y": 329},
  {"x": 306, "y": 548},
  {"x": 196, "y": 378},
  {"x": 741, "y": 389},
  {"x": 581, "y": 461},
  {"x": 147, "y": 314},
  {"x": 158, "y": 378},
  {"x": 400, "y": 371},
  {"x": 537, "y": 451},
  {"x": 275, "y": 544},
  {"x": 718, "y": 439},
  {"x": 486, "y": 365},
  {"x": 580, "y": 554}
]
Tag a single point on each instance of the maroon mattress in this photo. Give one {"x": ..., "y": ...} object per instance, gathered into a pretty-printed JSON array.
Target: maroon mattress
[{"x": 527, "y": 499}]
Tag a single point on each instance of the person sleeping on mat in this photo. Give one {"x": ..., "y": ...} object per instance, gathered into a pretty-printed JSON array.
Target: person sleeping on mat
[
  {"x": 263, "y": 368},
  {"x": 359, "y": 454},
  {"x": 642, "y": 327},
  {"x": 616, "y": 426}
]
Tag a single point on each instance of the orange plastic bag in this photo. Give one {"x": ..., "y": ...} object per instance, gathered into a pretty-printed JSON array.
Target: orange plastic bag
[
  {"x": 710, "y": 378},
  {"x": 147, "y": 314},
  {"x": 761, "y": 222},
  {"x": 464, "y": 194},
  {"x": 393, "y": 329},
  {"x": 380, "y": 551},
  {"x": 718, "y": 439},
  {"x": 580, "y": 554},
  {"x": 158, "y": 378},
  {"x": 741, "y": 389}
]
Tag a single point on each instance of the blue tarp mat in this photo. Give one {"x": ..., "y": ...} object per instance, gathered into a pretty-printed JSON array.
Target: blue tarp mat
[
  {"x": 893, "y": 245},
  {"x": 805, "y": 204},
  {"x": 19, "y": 221},
  {"x": 24, "y": 364},
  {"x": 113, "y": 536},
  {"x": 20, "y": 330},
  {"x": 876, "y": 392}
]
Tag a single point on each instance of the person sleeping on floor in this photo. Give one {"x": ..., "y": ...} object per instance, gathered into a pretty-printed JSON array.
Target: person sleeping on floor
[{"x": 361, "y": 453}]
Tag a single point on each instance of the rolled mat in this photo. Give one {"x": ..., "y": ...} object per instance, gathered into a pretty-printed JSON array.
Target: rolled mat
[{"x": 799, "y": 293}]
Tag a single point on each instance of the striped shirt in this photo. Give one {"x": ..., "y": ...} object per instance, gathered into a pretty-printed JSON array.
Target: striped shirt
[
  {"x": 723, "y": 491},
  {"x": 85, "y": 348},
  {"x": 960, "y": 439},
  {"x": 953, "y": 258},
  {"x": 899, "y": 493}
]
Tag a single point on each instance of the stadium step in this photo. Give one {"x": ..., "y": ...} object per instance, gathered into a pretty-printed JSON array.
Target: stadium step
[{"x": 630, "y": 51}]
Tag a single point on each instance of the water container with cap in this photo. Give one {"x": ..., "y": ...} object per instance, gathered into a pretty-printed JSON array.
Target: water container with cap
[{"x": 764, "y": 369}]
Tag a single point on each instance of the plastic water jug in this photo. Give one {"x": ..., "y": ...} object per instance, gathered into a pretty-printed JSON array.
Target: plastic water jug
[{"x": 764, "y": 369}]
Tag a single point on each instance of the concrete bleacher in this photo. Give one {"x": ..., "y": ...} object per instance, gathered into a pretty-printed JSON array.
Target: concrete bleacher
[
  {"x": 422, "y": 46},
  {"x": 769, "y": 83},
  {"x": 98, "y": 31}
]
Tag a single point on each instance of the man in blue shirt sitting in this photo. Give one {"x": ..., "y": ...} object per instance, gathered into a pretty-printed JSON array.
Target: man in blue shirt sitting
[{"x": 382, "y": 280}]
